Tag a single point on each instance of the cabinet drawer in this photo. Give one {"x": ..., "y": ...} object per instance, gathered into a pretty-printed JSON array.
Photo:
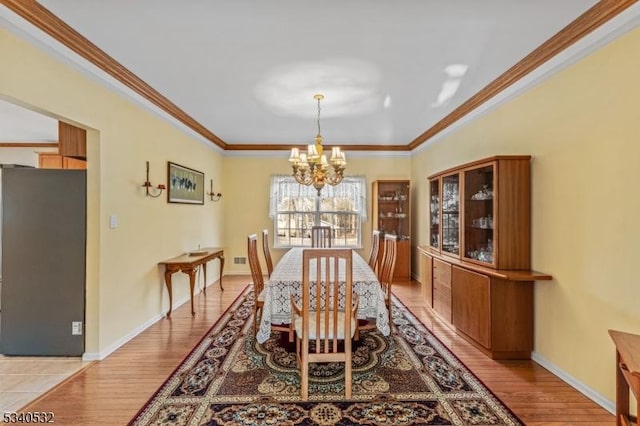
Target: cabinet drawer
[
  {"x": 442, "y": 272},
  {"x": 442, "y": 288},
  {"x": 442, "y": 302}
]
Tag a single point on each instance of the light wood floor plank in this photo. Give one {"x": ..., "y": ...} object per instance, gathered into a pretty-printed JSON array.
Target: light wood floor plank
[{"x": 111, "y": 392}]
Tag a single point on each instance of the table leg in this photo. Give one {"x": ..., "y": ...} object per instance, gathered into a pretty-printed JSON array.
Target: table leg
[
  {"x": 167, "y": 282},
  {"x": 622, "y": 392},
  {"x": 221, "y": 268},
  {"x": 204, "y": 287},
  {"x": 192, "y": 283}
]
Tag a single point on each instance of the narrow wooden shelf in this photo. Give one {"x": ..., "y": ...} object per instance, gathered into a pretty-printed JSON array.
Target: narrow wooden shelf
[{"x": 511, "y": 275}]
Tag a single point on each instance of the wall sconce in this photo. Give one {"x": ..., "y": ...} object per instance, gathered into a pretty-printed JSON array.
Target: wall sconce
[
  {"x": 150, "y": 188},
  {"x": 214, "y": 196}
]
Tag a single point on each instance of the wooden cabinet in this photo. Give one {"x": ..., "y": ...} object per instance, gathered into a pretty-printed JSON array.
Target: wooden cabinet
[
  {"x": 51, "y": 160},
  {"x": 72, "y": 141},
  {"x": 480, "y": 212},
  {"x": 479, "y": 252},
  {"x": 491, "y": 308},
  {"x": 471, "y": 307},
  {"x": 391, "y": 214},
  {"x": 494, "y": 312}
]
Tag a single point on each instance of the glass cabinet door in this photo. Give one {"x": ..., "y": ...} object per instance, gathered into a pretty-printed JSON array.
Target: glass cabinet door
[
  {"x": 479, "y": 214},
  {"x": 450, "y": 220},
  {"x": 434, "y": 214}
]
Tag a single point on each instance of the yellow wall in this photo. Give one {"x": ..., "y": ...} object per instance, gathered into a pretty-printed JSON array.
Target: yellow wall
[
  {"x": 125, "y": 287},
  {"x": 582, "y": 127},
  {"x": 247, "y": 181}
]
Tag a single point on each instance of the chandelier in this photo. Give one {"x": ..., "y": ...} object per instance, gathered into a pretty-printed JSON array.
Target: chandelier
[{"x": 312, "y": 168}]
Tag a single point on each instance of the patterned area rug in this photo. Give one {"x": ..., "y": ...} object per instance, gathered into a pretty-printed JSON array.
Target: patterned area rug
[{"x": 408, "y": 378}]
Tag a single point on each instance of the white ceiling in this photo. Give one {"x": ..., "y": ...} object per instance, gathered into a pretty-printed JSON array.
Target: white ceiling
[
  {"x": 248, "y": 70},
  {"x": 18, "y": 124}
]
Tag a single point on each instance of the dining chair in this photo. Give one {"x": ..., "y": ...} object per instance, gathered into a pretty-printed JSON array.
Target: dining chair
[
  {"x": 375, "y": 248},
  {"x": 319, "y": 320},
  {"x": 387, "y": 268},
  {"x": 258, "y": 279},
  {"x": 258, "y": 287},
  {"x": 321, "y": 236},
  {"x": 267, "y": 253}
]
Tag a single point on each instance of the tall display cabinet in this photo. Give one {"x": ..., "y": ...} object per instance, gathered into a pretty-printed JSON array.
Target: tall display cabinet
[
  {"x": 391, "y": 215},
  {"x": 476, "y": 268}
]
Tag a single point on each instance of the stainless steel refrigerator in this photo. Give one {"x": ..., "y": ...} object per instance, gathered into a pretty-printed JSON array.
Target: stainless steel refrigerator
[{"x": 43, "y": 261}]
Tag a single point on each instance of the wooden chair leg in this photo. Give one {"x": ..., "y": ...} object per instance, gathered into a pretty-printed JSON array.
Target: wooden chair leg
[
  {"x": 304, "y": 371},
  {"x": 347, "y": 370}
]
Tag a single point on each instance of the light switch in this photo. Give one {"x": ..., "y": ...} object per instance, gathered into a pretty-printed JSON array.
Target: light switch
[{"x": 113, "y": 221}]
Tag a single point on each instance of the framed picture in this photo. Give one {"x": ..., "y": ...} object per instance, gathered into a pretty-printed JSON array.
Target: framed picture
[{"x": 185, "y": 185}]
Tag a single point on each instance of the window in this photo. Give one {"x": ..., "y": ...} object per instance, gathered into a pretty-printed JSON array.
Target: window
[{"x": 296, "y": 208}]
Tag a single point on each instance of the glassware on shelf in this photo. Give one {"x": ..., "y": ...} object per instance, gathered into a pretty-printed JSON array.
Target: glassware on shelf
[
  {"x": 485, "y": 222},
  {"x": 484, "y": 194}
]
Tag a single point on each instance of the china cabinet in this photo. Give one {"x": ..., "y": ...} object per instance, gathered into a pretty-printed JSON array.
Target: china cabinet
[
  {"x": 477, "y": 261},
  {"x": 391, "y": 215},
  {"x": 480, "y": 212}
]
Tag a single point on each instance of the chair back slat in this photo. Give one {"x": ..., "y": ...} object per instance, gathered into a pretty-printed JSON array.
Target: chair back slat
[
  {"x": 254, "y": 264},
  {"x": 375, "y": 248},
  {"x": 267, "y": 252},
  {"x": 321, "y": 236},
  {"x": 388, "y": 263}
]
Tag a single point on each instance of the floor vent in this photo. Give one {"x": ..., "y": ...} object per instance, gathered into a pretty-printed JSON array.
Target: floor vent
[{"x": 239, "y": 260}]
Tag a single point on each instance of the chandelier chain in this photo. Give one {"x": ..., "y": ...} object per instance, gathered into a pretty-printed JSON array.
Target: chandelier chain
[{"x": 318, "y": 116}]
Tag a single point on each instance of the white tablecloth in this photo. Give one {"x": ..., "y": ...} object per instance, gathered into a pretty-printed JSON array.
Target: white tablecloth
[{"x": 286, "y": 279}]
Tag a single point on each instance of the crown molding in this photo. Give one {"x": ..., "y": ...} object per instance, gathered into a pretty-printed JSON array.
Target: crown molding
[
  {"x": 280, "y": 147},
  {"x": 599, "y": 14},
  {"x": 40, "y": 17}
]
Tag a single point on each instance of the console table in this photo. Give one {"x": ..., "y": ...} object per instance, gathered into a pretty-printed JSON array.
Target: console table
[
  {"x": 627, "y": 374},
  {"x": 189, "y": 263}
]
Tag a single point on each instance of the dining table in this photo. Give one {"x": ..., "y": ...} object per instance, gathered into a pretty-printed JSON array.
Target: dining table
[{"x": 286, "y": 280}]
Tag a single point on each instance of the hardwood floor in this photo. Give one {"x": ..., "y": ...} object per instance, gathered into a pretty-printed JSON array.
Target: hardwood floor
[{"x": 111, "y": 392}]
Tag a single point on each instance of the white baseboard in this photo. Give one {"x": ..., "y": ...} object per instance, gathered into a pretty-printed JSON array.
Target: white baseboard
[
  {"x": 608, "y": 405},
  {"x": 99, "y": 356}
]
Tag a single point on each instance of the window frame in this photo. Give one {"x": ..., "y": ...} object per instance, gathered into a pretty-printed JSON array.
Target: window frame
[{"x": 359, "y": 200}]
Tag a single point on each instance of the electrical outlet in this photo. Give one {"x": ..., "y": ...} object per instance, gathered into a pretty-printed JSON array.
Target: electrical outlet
[{"x": 76, "y": 328}]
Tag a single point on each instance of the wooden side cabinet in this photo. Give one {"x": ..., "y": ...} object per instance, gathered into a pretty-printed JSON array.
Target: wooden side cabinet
[
  {"x": 491, "y": 308},
  {"x": 627, "y": 375}
]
